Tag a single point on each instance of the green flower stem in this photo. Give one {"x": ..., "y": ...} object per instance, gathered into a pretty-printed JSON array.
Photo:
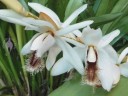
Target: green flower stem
[
  {"x": 49, "y": 78},
  {"x": 33, "y": 85},
  {"x": 19, "y": 33},
  {"x": 51, "y": 83},
  {"x": 47, "y": 75},
  {"x": 13, "y": 37}
]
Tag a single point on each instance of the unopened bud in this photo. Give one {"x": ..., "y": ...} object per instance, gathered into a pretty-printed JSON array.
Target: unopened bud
[{"x": 16, "y": 6}]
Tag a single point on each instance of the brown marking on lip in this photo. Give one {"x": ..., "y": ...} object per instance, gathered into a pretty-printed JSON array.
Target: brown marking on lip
[
  {"x": 91, "y": 71},
  {"x": 32, "y": 57},
  {"x": 34, "y": 60}
]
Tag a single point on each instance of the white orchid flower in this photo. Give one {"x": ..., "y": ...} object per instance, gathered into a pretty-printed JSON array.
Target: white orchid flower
[
  {"x": 123, "y": 66},
  {"x": 99, "y": 57},
  {"x": 49, "y": 29}
]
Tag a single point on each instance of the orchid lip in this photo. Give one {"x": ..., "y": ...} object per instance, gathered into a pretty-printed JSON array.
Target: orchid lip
[{"x": 91, "y": 68}]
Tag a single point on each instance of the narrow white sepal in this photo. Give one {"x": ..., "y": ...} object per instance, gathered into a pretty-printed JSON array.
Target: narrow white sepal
[
  {"x": 74, "y": 15},
  {"x": 73, "y": 42},
  {"x": 108, "y": 38},
  {"x": 18, "y": 21},
  {"x": 40, "y": 8},
  {"x": 122, "y": 55},
  {"x": 10, "y": 13},
  {"x": 70, "y": 55},
  {"x": 38, "y": 23},
  {"x": 73, "y": 27},
  {"x": 77, "y": 33}
]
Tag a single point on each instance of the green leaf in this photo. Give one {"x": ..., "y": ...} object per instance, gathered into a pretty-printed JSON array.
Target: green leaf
[
  {"x": 121, "y": 6},
  {"x": 71, "y": 7},
  {"x": 13, "y": 37},
  {"x": 43, "y": 2},
  {"x": 75, "y": 88},
  {"x": 96, "y": 5},
  {"x": 122, "y": 22},
  {"x": 112, "y": 4},
  {"x": 123, "y": 30},
  {"x": 100, "y": 20},
  {"x": 102, "y": 7},
  {"x": 58, "y": 6},
  {"x": 24, "y": 4}
]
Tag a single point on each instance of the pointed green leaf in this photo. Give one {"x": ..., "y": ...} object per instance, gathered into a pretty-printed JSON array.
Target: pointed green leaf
[
  {"x": 72, "y": 6},
  {"x": 58, "y": 7},
  {"x": 121, "y": 6},
  {"x": 100, "y": 20}
]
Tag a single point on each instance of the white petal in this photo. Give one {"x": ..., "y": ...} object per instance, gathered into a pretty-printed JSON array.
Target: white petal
[
  {"x": 70, "y": 55},
  {"x": 44, "y": 45},
  {"x": 106, "y": 79},
  {"x": 37, "y": 29},
  {"x": 26, "y": 49},
  {"x": 38, "y": 41},
  {"x": 53, "y": 52},
  {"x": 105, "y": 67},
  {"x": 40, "y": 8},
  {"x": 82, "y": 52},
  {"x": 60, "y": 67},
  {"x": 38, "y": 23},
  {"x": 124, "y": 69},
  {"x": 13, "y": 17},
  {"x": 73, "y": 42},
  {"x": 108, "y": 73},
  {"x": 74, "y": 27},
  {"x": 122, "y": 55},
  {"x": 108, "y": 38},
  {"x": 74, "y": 15},
  {"x": 116, "y": 74},
  {"x": 112, "y": 53},
  {"x": 16, "y": 21},
  {"x": 104, "y": 60},
  {"x": 70, "y": 35},
  {"x": 77, "y": 33},
  {"x": 10, "y": 13},
  {"x": 91, "y": 36}
]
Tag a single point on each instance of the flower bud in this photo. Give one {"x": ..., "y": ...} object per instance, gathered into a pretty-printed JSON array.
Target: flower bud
[{"x": 16, "y": 6}]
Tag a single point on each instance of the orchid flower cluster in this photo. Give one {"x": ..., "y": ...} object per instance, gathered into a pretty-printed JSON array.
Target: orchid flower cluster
[{"x": 92, "y": 55}]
